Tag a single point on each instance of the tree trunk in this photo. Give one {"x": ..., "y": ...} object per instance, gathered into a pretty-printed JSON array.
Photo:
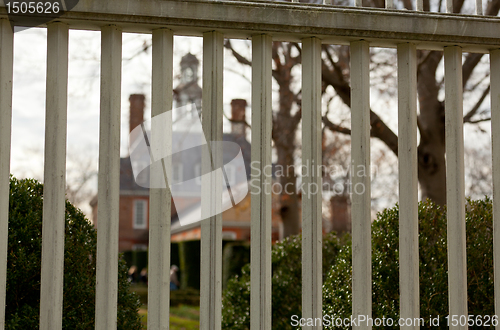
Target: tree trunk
[
  {"x": 284, "y": 134},
  {"x": 431, "y": 150}
]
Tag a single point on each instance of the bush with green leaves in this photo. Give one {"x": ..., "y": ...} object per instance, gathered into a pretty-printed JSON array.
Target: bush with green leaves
[
  {"x": 337, "y": 264},
  {"x": 24, "y": 266},
  {"x": 433, "y": 265},
  {"x": 286, "y": 284}
]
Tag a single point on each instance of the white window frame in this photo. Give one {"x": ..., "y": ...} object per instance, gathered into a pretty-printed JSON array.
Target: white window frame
[
  {"x": 144, "y": 225},
  {"x": 197, "y": 173},
  {"x": 177, "y": 173},
  {"x": 231, "y": 174}
]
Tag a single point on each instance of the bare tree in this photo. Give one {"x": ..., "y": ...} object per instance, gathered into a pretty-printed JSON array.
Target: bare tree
[
  {"x": 431, "y": 150},
  {"x": 335, "y": 73}
]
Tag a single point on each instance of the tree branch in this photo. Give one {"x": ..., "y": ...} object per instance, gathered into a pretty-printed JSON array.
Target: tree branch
[
  {"x": 472, "y": 112},
  {"x": 479, "y": 120},
  {"x": 334, "y": 127},
  {"x": 240, "y": 58}
]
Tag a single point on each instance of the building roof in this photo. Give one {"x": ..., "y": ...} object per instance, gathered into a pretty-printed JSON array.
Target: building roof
[{"x": 129, "y": 186}]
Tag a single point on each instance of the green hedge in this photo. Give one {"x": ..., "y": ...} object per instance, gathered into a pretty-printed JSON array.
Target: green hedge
[
  {"x": 234, "y": 256},
  {"x": 136, "y": 258},
  {"x": 24, "y": 266},
  {"x": 337, "y": 263},
  {"x": 189, "y": 255},
  {"x": 286, "y": 284},
  {"x": 433, "y": 265}
]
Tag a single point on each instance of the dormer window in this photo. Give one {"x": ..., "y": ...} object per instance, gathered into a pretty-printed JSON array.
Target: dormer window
[
  {"x": 176, "y": 173},
  {"x": 188, "y": 75},
  {"x": 140, "y": 214}
]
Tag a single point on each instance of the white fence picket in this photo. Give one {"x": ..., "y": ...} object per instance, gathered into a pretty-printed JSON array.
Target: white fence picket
[
  {"x": 408, "y": 183},
  {"x": 211, "y": 188},
  {"x": 360, "y": 182},
  {"x": 495, "y": 141},
  {"x": 160, "y": 200},
  {"x": 6, "y": 70},
  {"x": 260, "y": 285},
  {"x": 109, "y": 179},
  {"x": 312, "y": 220},
  {"x": 455, "y": 184},
  {"x": 54, "y": 189}
]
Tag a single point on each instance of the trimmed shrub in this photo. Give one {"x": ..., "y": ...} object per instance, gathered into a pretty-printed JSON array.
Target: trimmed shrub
[
  {"x": 189, "y": 255},
  {"x": 337, "y": 263},
  {"x": 433, "y": 265},
  {"x": 286, "y": 284},
  {"x": 234, "y": 256},
  {"x": 24, "y": 266}
]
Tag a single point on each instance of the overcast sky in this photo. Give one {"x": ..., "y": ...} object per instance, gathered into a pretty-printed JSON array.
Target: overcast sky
[
  {"x": 28, "y": 120},
  {"x": 28, "y": 115}
]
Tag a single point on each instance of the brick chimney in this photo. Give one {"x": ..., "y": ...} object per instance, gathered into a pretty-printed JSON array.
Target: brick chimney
[
  {"x": 341, "y": 213},
  {"x": 238, "y": 107},
  {"x": 136, "y": 110},
  {"x": 136, "y": 116}
]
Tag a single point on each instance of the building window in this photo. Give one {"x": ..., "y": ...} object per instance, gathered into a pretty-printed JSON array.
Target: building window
[
  {"x": 139, "y": 247},
  {"x": 176, "y": 173},
  {"x": 229, "y": 235},
  {"x": 140, "y": 214},
  {"x": 197, "y": 174},
  {"x": 231, "y": 174}
]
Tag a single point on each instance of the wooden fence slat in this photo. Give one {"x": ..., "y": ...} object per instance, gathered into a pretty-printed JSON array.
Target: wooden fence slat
[
  {"x": 160, "y": 199},
  {"x": 260, "y": 285},
  {"x": 360, "y": 182},
  {"x": 455, "y": 185},
  {"x": 109, "y": 179},
  {"x": 420, "y": 5},
  {"x": 479, "y": 7},
  {"x": 54, "y": 189},
  {"x": 495, "y": 141},
  {"x": 6, "y": 71},
  {"x": 312, "y": 237},
  {"x": 211, "y": 187},
  {"x": 408, "y": 183}
]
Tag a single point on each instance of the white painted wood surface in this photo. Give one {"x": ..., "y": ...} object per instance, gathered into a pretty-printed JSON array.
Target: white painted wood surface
[
  {"x": 495, "y": 140},
  {"x": 6, "y": 69},
  {"x": 479, "y": 7},
  {"x": 389, "y": 4},
  {"x": 109, "y": 179},
  {"x": 54, "y": 189},
  {"x": 420, "y": 5},
  {"x": 260, "y": 255},
  {"x": 160, "y": 199},
  {"x": 211, "y": 187},
  {"x": 449, "y": 6},
  {"x": 408, "y": 183},
  {"x": 455, "y": 186},
  {"x": 312, "y": 298},
  {"x": 360, "y": 182}
]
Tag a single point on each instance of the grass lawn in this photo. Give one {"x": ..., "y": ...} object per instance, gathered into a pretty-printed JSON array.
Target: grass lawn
[{"x": 181, "y": 317}]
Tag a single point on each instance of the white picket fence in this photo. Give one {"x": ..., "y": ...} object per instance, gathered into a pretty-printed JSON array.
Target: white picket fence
[{"x": 262, "y": 22}]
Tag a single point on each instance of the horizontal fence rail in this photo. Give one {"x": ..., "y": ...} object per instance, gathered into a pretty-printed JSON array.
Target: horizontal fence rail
[
  {"x": 290, "y": 22},
  {"x": 312, "y": 25}
]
